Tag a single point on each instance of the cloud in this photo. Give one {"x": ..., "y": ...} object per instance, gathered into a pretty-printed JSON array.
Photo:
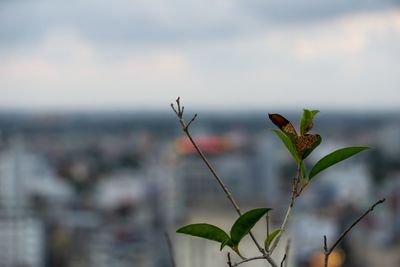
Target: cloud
[
  {"x": 164, "y": 21},
  {"x": 84, "y": 59}
]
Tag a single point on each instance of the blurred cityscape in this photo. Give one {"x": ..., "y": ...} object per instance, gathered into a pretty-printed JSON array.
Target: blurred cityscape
[{"x": 102, "y": 189}]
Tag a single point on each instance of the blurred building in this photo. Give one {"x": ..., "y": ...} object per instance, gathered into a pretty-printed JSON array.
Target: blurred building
[{"x": 22, "y": 236}]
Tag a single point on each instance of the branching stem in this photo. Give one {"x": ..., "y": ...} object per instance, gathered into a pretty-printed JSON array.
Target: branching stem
[{"x": 185, "y": 127}]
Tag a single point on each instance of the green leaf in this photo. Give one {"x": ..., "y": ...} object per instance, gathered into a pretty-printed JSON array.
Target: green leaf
[
  {"x": 335, "y": 157},
  {"x": 205, "y": 230},
  {"x": 271, "y": 237},
  {"x": 246, "y": 221},
  {"x": 308, "y": 151},
  {"x": 288, "y": 143},
  {"x": 306, "y": 121}
]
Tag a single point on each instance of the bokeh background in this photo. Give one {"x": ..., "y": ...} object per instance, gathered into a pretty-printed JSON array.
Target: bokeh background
[{"x": 94, "y": 169}]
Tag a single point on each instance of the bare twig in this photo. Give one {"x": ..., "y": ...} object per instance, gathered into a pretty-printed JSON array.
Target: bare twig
[
  {"x": 185, "y": 127},
  {"x": 355, "y": 222},
  {"x": 170, "y": 249},
  {"x": 289, "y": 210},
  {"x": 345, "y": 232},
  {"x": 229, "y": 260},
  {"x": 248, "y": 259},
  {"x": 190, "y": 122}
]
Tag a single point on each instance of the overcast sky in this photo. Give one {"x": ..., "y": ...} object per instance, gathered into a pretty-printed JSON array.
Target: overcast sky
[{"x": 215, "y": 54}]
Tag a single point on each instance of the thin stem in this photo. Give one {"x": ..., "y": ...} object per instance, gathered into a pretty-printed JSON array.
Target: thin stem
[
  {"x": 345, "y": 232},
  {"x": 289, "y": 210},
  {"x": 247, "y": 260},
  {"x": 326, "y": 252},
  {"x": 283, "y": 260},
  {"x": 229, "y": 260},
  {"x": 286, "y": 256},
  {"x": 340, "y": 238},
  {"x": 185, "y": 128},
  {"x": 170, "y": 249}
]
